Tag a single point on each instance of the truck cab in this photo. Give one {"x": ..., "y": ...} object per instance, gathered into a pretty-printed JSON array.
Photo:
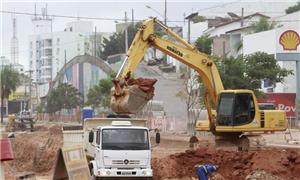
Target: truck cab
[{"x": 121, "y": 150}]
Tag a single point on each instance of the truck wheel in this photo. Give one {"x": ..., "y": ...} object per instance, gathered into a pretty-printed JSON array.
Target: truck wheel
[
  {"x": 92, "y": 172},
  {"x": 94, "y": 177}
]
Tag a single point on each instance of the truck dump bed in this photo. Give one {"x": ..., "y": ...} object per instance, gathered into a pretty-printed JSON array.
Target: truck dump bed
[{"x": 72, "y": 135}]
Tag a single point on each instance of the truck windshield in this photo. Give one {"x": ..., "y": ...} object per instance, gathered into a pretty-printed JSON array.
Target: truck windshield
[{"x": 125, "y": 139}]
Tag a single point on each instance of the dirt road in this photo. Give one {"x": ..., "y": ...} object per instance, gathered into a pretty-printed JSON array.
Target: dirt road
[{"x": 36, "y": 152}]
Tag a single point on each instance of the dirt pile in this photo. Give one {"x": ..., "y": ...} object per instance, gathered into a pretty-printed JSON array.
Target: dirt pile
[
  {"x": 284, "y": 164},
  {"x": 146, "y": 85},
  {"x": 34, "y": 151}
]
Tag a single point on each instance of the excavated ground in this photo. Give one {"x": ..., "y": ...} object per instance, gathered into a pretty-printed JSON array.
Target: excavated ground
[
  {"x": 36, "y": 152},
  {"x": 275, "y": 163}
]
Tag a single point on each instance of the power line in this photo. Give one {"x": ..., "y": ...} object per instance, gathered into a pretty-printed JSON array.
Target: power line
[
  {"x": 115, "y": 19},
  {"x": 77, "y": 17},
  {"x": 220, "y": 5}
]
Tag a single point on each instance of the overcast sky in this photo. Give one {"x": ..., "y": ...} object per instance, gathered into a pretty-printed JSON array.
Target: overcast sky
[{"x": 116, "y": 9}]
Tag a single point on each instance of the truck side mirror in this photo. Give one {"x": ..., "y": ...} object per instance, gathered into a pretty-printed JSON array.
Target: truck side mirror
[
  {"x": 91, "y": 136},
  {"x": 157, "y": 138}
]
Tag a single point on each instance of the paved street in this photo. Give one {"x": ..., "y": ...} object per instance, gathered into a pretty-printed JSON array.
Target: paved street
[{"x": 165, "y": 90}]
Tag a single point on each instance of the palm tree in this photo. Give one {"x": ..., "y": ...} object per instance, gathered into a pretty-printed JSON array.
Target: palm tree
[{"x": 10, "y": 80}]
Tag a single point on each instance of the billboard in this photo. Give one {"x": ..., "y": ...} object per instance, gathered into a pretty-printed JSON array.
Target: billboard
[{"x": 283, "y": 101}]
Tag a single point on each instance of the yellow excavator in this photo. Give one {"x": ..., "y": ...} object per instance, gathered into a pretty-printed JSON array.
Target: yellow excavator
[{"x": 232, "y": 114}]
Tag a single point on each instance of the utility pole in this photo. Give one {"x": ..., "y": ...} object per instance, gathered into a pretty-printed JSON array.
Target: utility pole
[
  {"x": 189, "y": 30},
  {"x": 242, "y": 18},
  {"x": 29, "y": 100},
  {"x": 165, "y": 12},
  {"x": 95, "y": 43},
  {"x": 189, "y": 18},
  {"x": 132, "y": 17},
  {"x": 126, "y": 33},
  {"x": 224, "y": 56},
  {"x": 2, "y": 100},
  {"x": 65, "y": 67}
]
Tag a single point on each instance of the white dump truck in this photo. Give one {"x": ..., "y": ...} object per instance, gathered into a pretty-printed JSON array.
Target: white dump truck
[{"x": 115, "y": 147}]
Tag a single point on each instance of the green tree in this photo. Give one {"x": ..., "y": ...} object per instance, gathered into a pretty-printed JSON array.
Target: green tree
[
  {"x": 203, "y": 44},
  {"x": 10, "y": 80},
  {"x": 248, "y": 72},
  {"x": 294, "y": 8},
  {"x": 115, "y": 44},
  {"x": 53, "y": 102},
  {"x": 99, "y": 95},
  {"x": 263, "y": 25},
  {"x": 65, "y": 96}
]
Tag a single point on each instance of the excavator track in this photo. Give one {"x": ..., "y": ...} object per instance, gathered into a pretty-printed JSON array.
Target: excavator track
[{"x": 243, "y": 142}]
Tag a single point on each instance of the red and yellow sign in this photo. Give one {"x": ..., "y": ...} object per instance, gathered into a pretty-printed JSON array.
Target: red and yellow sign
[{"x": 289, "y": 40}]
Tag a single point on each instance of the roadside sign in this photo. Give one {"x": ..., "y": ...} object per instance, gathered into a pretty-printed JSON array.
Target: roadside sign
[
  {"x": 288, "y": 45},
  {"x": 283, "y": 101},
  {"x": 71, "y": 163},
  {"x": 288, "y": 49}
]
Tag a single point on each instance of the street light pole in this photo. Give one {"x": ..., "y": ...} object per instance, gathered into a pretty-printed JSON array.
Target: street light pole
[
  {"x": 165, "y": 12},
  {"x": 163, "y": 16},
  {"x": 29, "y": 102},
  {"x": 126, "y": 34}
]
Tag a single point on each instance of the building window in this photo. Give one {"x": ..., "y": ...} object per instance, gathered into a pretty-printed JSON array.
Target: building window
[
  {"x": 57, "y": 41},
  {"x": 57, "y": 51},
  {"x": 48, "y": 52},
  {"x": 47, "y": 42},
  {"x": 78, "y": 47}
]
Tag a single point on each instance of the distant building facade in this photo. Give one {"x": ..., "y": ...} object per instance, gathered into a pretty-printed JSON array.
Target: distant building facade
[{"x": 50, "y": 51}]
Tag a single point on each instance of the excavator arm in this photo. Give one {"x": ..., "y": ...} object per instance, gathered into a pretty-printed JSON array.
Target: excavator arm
[{"x": 180, "y": 50}]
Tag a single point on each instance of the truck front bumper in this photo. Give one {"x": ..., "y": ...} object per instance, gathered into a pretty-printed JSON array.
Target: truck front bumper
[{"x": 115, "y": 172}]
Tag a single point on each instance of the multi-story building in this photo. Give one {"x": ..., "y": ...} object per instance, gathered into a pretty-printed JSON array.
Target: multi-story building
[{"x": 50, "y": 51}]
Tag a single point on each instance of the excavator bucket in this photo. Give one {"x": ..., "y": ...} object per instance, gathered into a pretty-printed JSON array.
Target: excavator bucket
[{"x": 130, "y": 97}]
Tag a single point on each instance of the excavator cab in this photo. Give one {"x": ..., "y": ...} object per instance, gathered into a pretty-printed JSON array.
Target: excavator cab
[{"x": 235, "y": 108}]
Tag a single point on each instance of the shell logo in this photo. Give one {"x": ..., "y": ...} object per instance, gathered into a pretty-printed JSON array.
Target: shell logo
[{"x": 289, "y": 40}]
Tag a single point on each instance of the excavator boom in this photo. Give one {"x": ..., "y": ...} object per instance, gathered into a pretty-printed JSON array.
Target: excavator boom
[{"x": 181, "y": 50}]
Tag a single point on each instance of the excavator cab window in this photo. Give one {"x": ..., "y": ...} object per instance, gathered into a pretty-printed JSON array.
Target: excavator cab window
[
  {"x": 235, "y": 109},
  {"x": 225, "y": 109},
  {"x": 244, "y": 109}
]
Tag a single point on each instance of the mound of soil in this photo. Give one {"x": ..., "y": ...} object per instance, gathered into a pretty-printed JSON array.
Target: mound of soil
[
  {"x": 34, "y": 151},
  {"x": 232, "y": 165}
]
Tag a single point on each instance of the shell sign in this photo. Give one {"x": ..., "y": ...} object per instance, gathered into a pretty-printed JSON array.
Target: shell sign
[{"x": 289, "y": 40}]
